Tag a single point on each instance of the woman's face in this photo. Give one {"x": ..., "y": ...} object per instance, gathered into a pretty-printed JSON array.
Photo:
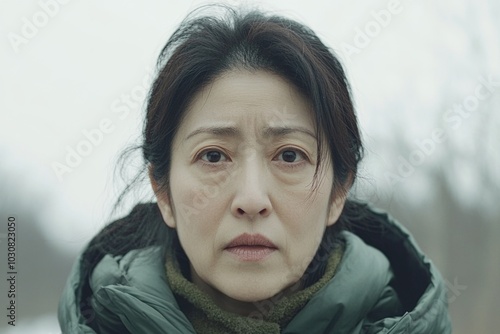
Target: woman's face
[{"x": 243, "y": 162}]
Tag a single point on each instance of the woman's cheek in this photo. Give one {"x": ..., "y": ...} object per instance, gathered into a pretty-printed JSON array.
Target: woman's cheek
[
  {"x": 198, "y": 203},
  {"x": 302, "y": 214},
  {"x": 209, "y": 188}
]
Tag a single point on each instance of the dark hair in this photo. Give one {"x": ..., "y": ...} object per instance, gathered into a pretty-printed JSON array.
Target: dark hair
[{"x": 201, "y": 49}]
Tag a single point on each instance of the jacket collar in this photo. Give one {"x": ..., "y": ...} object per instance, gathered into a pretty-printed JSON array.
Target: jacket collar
[
  {"x": 383, "y": 282},
  {"x": 343, "y": 304}
]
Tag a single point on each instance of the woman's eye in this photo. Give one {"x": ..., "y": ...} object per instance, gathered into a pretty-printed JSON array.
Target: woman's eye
[
  {"x": 290, "y": 156},
  {"x": 213, "y": 156}
]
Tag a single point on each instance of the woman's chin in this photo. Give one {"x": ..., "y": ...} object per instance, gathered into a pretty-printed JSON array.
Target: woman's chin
[
  {"x": 251, "y": 294},
  {"x": 252, "y": 289}
]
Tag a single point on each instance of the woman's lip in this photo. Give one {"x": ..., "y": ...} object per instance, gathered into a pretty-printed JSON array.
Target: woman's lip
[
  {"x": 250, "y": 247},
  {"x": 251, "y": 253},
  {"x": 253, "y": 240}
]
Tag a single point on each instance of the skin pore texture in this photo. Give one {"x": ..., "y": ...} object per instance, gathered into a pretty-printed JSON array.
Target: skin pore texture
[{"x": 243, "y": 161}]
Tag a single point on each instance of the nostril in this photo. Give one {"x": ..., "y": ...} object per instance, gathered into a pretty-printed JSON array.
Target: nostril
[{"x": 250, "y": 212}]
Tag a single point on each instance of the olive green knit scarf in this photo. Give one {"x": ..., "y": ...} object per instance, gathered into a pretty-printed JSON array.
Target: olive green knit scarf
[{"x": 208, "y": 318}]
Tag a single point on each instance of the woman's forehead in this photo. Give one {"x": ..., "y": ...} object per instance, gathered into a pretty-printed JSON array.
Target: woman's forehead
[{"x": 240, "y": 99}]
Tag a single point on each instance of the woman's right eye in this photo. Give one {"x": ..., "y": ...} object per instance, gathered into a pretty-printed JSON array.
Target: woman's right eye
[{"x": 213, "y": 156}]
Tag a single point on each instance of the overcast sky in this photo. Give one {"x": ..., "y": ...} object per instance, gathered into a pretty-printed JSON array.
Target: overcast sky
[
  {"x": 69, "y": 72},
  {"x": 68, "y": 69}
]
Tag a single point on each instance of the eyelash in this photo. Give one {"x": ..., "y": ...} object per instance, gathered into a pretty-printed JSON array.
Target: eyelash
[
  {"x": 293, "y": 165},
  {"x": 212, "y": 165},
  {"x": 290, "y": 165}
]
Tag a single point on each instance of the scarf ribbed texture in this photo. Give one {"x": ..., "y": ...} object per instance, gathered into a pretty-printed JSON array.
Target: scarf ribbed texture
[{"x": 272, "y": 317}]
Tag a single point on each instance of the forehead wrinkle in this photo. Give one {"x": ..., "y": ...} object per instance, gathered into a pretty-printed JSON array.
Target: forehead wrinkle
[{"x": 219, "y": 131}]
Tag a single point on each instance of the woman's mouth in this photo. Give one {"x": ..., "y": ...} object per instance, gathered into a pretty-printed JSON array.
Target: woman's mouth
[{"x": 250, "y": 247}]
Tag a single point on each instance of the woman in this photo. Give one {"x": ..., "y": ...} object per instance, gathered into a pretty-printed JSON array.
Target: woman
[{"x": 251, "y": 144}]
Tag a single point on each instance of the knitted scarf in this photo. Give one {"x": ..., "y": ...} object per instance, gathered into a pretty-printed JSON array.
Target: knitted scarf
[{"x": 271, "y": 318}]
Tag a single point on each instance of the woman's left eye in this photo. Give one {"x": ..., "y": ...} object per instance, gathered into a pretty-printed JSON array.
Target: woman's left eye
[{"x": 291, "y": 155}]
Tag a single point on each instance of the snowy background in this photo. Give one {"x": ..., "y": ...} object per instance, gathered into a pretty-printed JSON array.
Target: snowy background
[{"x": 426, "y": 81}]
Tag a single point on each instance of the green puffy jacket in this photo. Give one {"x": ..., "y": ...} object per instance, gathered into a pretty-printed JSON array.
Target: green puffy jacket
[{"x": 381, "y": 267}]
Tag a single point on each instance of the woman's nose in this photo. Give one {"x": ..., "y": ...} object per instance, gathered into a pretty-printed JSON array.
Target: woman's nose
[{"x": 252, "y": 192}]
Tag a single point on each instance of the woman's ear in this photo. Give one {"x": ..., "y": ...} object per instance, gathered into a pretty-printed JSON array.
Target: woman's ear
[
  {"x": 336, "y": 207},
  {"x": 163, "y": 201}
]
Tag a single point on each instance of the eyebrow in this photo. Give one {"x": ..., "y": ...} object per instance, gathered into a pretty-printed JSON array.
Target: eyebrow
[
  {"x": 230, "y": 131},
  {"x": 280, "y": 131},
  {"x": 223, "y": 131}
]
